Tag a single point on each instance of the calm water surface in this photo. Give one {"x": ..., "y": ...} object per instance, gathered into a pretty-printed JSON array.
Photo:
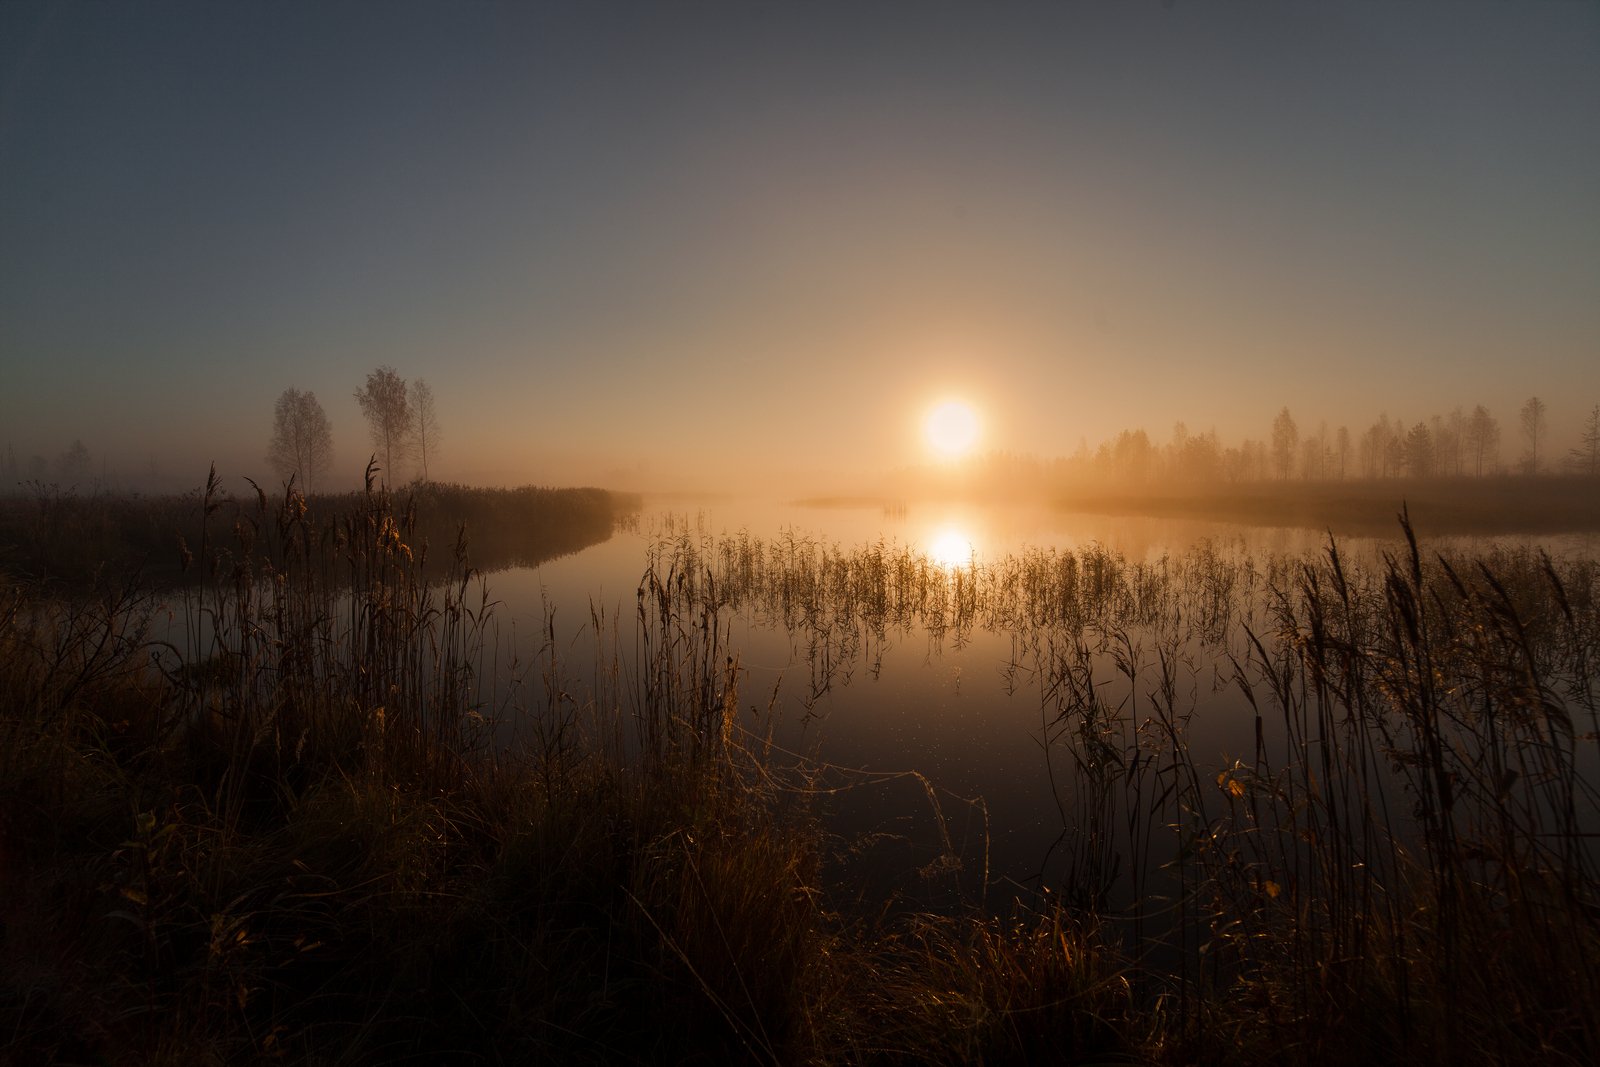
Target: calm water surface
[{"x": 938, "y": 743}]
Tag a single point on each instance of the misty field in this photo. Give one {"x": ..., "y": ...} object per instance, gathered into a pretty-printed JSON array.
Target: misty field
[{"x": 289, "y": 809}]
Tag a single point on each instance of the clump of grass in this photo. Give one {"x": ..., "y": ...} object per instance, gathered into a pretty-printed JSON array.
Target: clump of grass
[{"x": 1039, "y": 987}]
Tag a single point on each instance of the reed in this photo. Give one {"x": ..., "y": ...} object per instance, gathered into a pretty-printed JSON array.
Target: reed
[
  {"x": 271, "y": 825},
  {"x": 1401, "y": 867},
  {"x": 298, "y": 808}
]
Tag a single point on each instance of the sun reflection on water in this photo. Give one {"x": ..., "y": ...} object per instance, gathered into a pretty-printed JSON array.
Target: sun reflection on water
[{"x": 950, "y": 548}]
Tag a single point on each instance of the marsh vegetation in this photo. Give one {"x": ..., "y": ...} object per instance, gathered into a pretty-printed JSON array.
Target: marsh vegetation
[
  {"x": 70, "y": 539},
  {"x": 313, "y": 807}
]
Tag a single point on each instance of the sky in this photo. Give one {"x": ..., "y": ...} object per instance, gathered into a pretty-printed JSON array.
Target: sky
[{"x": 710, "y": 244}]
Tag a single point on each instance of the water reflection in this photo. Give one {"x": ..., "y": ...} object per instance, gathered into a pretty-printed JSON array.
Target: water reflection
[
  {"x": 1008, "y": 657},
  {"x": 951, "y": 548}
]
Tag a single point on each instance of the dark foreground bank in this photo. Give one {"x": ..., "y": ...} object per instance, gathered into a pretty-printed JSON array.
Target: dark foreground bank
[{"x": 48, "y": 534}]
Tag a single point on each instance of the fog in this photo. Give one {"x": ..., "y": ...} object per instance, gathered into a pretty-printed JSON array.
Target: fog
[{"x": 723, "y": 249}]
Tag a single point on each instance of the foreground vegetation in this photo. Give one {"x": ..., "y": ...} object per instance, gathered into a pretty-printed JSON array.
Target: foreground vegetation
[
  {"x": 289, "y": 826},
  {"x": 1401, "y": 867}
]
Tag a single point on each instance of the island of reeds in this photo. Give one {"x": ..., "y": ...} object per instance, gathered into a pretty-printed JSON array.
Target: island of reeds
[{"x": 282, "y": 812}]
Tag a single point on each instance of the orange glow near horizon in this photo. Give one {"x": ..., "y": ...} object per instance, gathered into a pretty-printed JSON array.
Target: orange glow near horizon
[{"x": 952, "y": 429}]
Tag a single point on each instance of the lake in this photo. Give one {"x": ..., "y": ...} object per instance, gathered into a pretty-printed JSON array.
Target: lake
[{"x": 929, "y": 730}]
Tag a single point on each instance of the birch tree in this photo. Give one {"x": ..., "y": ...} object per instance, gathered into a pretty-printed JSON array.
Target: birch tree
[
  {"x": 1483, "y": 439},
  {"x": 385, "y": 403},
  {"x": 1285, "y": 438},
  {"x": 1533, "y": 424},
  {"x": 302, "y": 439},
  {"x": 424, "y": 424},
  {"x": 1586, "y": 459}
]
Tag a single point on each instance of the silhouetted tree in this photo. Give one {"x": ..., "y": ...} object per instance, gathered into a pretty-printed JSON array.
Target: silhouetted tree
[
  {"x": 1262, "y": 461},
  {"x": 1585, "y": 459},
  {"x": 1394, "y": 451},
  {"x": 1258, "y": 459},
  {"x": 1449, "y": 438},
  {"x": 1342, "y": 447},
  {"x": 425, "y": 424},
  {"x": 302, "y": 440},
  {"x": 1419, "y": 451},
  {"x": 1130, "y": 456},
  {"x": 1371, "y": 448},
  {"x": 1310, "y": 459},
  {"x": 1285, "y": 436},
  {"x": 1380, "y": 448},
  {"x": 1533, "y": 422},
  {"x": 1482, "y": 439},
  {"x": 76, "y": 466},
  {"x": 1202, "y": 457},
  {"x": 1193, "y": 457},
  {"x": 1180, "y": 440},
  {"x": 388, "y": 411}
]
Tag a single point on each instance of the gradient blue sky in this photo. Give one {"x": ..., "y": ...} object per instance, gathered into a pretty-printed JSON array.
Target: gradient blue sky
[{"x": 712, "y": 241}]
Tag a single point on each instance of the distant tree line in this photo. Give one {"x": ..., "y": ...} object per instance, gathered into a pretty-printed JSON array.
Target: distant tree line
[
  {"x": 73, "y": 469},
  {"x": 1459, "y": 444}
]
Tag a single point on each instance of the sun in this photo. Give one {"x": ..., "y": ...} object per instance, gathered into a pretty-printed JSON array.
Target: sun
[{"x": 951, "y": 429}]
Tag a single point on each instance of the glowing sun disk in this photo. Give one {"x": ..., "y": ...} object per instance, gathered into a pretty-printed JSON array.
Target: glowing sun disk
[{"x": 951, "y": 429}]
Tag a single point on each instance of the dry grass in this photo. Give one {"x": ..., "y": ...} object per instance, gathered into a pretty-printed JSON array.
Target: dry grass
[
  {"x": 281, "y": 831},
  {"x": 1403, "y": 867}
]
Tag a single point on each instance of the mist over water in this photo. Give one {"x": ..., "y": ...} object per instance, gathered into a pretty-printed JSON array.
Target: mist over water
[
  {"x": 935, "y": 728},
  {"x": 830, "y": 533}
]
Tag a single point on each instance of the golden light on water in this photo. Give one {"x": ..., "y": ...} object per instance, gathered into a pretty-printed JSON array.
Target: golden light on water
[
  {"x": 950, "y": 548},
  {"x": 952, "y": 429}
]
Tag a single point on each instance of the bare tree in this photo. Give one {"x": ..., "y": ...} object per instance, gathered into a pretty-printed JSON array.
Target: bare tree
[
  {"x": 302, "y": 439},
  {"x": 1585, "y": 460},
  {"x": 1384, "y": 439},
  {"x": 1533, "y": 424},
  {"x": 1482, "y": 438},
  {"x": 1314, "y": 454},
  {"x": 425, "y": 424},
  {"x": 1131, "y": 456},
  {"x": 76, "y": 466},
  {"x": 1451, "y": 441},
  {"x": 1342, "y": 446},
  {"x": 388, "y": 413},
  {"x": 1310, "y": 459},
  {"x": 1394, "y": 450},
  {"x": 1285, "y": 436},
  {"x": 1259, "y": 451},
  {"x": 1372, "y": 447}
]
